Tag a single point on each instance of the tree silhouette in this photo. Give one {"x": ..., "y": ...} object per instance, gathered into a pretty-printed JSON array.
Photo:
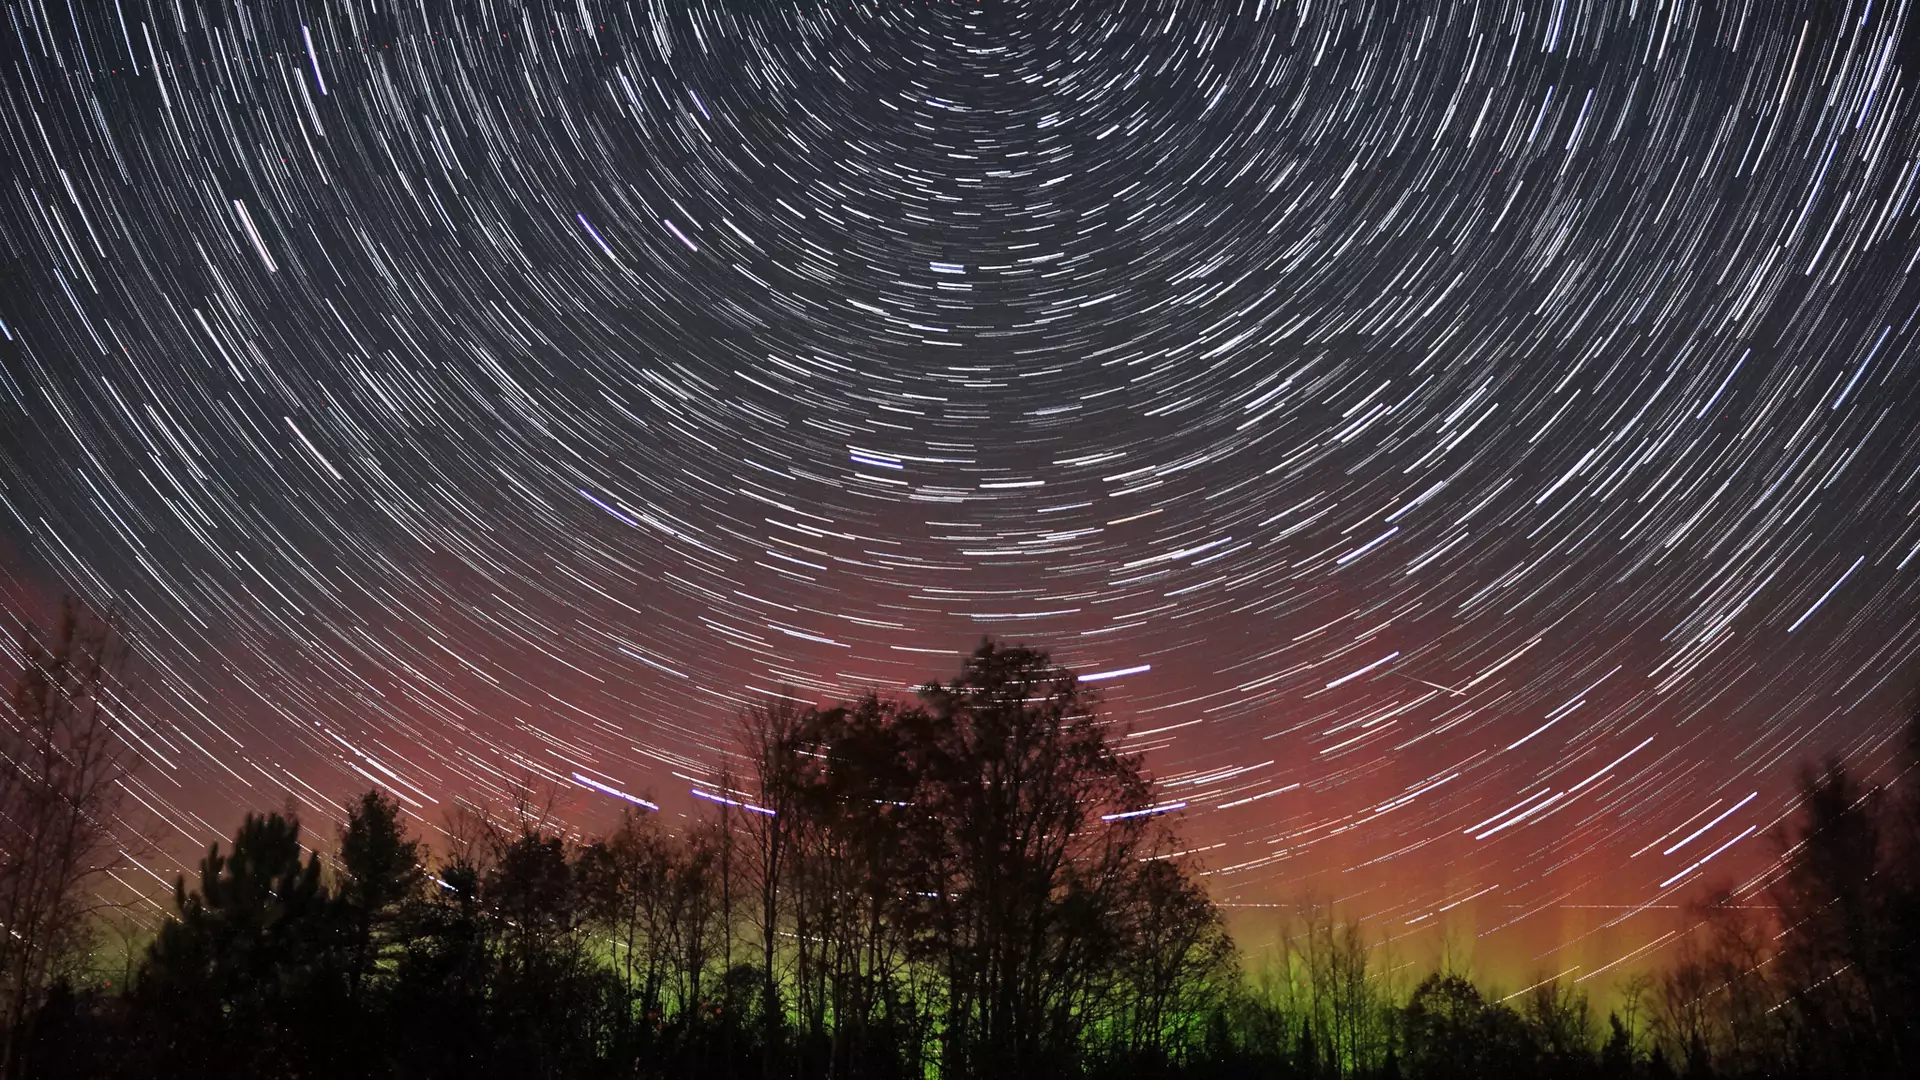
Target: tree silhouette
[
  {"x": 442, "y": 977},
  {"x": 380, "y": 872},
  {"x": 1561, "y": 1023},
  {"x": 774, "y": 735},
  {"x": 1452, "y": 1033},
  {"x": 61, "y": 799},
  {"x": 247, "y": 977},
  {"x": 1617, "y": 1057},
  {"x": 973, "y": 884},
  {"x": 1043, "y": 827},
  {"x": 626, "y": 879},
  {"x": 1718, "y": 1003},
  {"x": 1179, "y": 964}
]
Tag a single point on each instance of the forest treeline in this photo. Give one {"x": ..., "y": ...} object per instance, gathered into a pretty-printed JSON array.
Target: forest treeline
[{"x": 974, "y": 883}]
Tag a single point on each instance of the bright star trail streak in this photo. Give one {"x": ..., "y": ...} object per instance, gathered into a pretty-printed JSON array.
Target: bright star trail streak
[{"x": 1404, "y": 413}]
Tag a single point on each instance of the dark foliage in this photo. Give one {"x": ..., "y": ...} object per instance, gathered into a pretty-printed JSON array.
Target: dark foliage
[
  {"x": 251, "y": 977},
  {"x": 967, "y": 886}
]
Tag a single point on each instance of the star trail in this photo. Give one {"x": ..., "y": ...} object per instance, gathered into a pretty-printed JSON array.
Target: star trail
[{"x": 1470, "y": 445}]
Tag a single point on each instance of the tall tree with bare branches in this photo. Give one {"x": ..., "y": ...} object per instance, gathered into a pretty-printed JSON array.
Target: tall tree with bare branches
[
  {"x": 775, "y": 737},
  {"x": 61, "y": 797},
  {"x": 1043, "y": 823}
]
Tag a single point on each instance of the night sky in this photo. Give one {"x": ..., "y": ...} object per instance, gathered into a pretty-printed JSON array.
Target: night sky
[{"x": 1474, "y": 444}]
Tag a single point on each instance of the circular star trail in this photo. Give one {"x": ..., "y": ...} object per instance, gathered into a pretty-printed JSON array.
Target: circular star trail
[{"x": 1472, "y": 445}]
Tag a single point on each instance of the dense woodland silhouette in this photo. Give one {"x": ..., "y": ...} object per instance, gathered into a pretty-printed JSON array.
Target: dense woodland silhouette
[{"x": 971, "y": 884}]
